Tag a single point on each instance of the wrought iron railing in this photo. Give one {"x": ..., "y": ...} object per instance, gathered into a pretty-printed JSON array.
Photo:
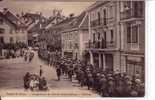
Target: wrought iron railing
[
  {"x": 131, "y": 13},
  {"x": 100, "y": 45}
]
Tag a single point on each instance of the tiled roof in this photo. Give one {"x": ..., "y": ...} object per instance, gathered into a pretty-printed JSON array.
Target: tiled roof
[
  {"x": 75, "y": 23},
  {"x": 44, "y": 23},
  {"x": 97, "y": 4},
  {"x": 32, "y": 15},
  {"x": 62, "y": 24},
  {"x": 11, "y": 16},
  {"x": 9, "y": 20}
]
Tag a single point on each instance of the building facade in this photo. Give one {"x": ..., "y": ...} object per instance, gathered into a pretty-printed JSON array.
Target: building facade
[
  {"x": 74, "y": 36},
  {"x": 11, "y": 32},
  {"x": 117, "y": 36},
  {"x": 132, "y": 25},
  {"x": 103, "y": 47}
]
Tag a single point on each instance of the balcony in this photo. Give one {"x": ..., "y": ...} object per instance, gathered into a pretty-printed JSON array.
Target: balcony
[
  {"x": 132, "y": 13},
  {"x": 102, "y": 21},
  {"x": 100, "y": 45}
]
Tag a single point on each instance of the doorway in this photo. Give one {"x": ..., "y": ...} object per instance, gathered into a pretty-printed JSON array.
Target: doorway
[{"x": 109, "y": 62}]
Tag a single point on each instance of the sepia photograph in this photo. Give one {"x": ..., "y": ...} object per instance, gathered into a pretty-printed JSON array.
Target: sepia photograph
[{"x": 72, "y": 48}]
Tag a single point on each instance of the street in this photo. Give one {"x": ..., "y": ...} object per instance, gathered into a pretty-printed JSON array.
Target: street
[{"x": 11, "y": 75}]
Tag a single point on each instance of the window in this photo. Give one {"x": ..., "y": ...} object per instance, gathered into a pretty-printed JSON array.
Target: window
[
  {"x": 99, "y": 35},
  {"x": 94, "y": 37},
  {"x": 112, "y": 36},
  {"x": 132, "y": 34},
  {"x": 134, "y": 67},
  {"x": 128, "y": 34},
  {"x": 2, "y": 31},
  {"x": 1, "y": 21},
  {"x": 104, "y": 18},
  {"x": 138, "y": 8},
  {"x": 135, "y": 34},
  {"x": 111, "y": 12},
  {"x": 99, "y": 18}
]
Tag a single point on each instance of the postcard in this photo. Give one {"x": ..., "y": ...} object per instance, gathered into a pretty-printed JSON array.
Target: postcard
[{"x": 72, "y": 48}]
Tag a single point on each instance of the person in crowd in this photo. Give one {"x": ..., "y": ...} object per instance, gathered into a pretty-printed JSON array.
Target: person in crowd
[
  {"x": 25, "y": 56},
  {"x": 58, "y": 71},
  {"x": 70, "y": 73},
  {"x": 90, "y": 80},
  {"x": 107, "y": 83},
  {"x": 31, "y": 55},
  {"x": 26, "y": 80},
  {"x": 40, "y": 71},
  {"x": 42, "y": 84},
  {"x": 34, "y": 82}
]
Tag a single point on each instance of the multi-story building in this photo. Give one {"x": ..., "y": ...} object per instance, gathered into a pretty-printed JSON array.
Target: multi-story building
[
  {"x": 103, "y": 47},
  {"x": 11, "y": 30},
  {"x": 74, "y": 36},
  {"x": 44, "y": 35},
  {"x": 116, "y": 36},
  {"x": 32, "y": 22},
  {"x": 132, "y": 28}
]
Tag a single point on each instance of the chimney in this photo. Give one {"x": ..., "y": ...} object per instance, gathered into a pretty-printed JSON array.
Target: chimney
[{"x": 71, "y": 15}]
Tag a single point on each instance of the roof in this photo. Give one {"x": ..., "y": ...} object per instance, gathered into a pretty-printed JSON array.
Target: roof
[
  {"x": 11, "y": 18},
  {"x": 77, "y": 22},
  {"x": 62, "y": 24},
  {"x": 6, "y": 18},
  {"x": 32, "y": 15},
  {"x": 97, "y": 4},
  {"x": 44, "y": 23}
]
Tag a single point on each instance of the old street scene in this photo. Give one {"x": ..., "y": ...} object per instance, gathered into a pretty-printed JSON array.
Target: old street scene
[{"x": 89, "y": 49}]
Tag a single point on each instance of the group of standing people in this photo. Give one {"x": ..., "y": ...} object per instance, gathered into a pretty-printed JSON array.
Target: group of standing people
[
  {"x": 107, "y": 83},
  {"x": 28, "y": 55},
  {"x": 35, "y": 82}
]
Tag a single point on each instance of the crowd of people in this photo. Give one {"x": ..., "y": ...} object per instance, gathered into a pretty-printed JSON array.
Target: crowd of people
[
  {"x": 28, "y": 55},
  {"x": 35, "y": 82},
  {"x": 106, "y": 83}
]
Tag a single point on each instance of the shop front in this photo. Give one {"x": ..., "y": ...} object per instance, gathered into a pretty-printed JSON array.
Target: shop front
[{"x": 135, "y": 65}]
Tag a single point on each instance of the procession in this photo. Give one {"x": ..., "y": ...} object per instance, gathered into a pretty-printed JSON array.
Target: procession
[{"x": 106, "y": 83}]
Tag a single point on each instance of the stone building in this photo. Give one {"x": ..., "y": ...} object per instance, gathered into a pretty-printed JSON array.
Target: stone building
[
  {"x": 12, "y": 31},
  {"x": 116, "y": 36},
  {"x": 103, "y": 48},
  {"x": 74, "y": 36},
  {"x": 132, "y": 28}
]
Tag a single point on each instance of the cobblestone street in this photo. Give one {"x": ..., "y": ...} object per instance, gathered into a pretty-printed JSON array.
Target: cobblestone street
[{"x": 12, "y": 75}]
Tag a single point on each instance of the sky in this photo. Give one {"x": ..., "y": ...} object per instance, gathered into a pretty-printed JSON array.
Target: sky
[{"x": 44, "y": 6}]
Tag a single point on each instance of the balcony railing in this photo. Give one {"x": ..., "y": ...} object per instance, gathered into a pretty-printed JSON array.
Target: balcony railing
[
  {"x": 102, "y": 21},
  {"x": 132, "y": 13},
  {"x": 100, "y": 45}
]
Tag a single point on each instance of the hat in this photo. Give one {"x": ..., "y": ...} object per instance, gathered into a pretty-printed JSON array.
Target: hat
[
  {"x": 138, "y": 81},
  {"x": 110, "y": 78},
  {"x": 129, "y": 83},
  {"x": 102, "y": 75},
  {"x": 98, "y": 74},
  {"x": 134, "y": 93}
]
